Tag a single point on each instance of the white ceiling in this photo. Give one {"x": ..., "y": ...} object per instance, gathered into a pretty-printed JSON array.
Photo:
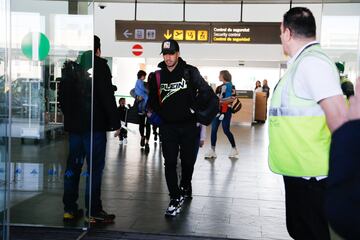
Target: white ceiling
[
  {"x": 234, "y": 1},
  {"x": 222, "y": 1}
]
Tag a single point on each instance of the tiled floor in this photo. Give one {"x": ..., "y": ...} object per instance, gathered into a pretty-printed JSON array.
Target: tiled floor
[{"x": 235, "y": 198}]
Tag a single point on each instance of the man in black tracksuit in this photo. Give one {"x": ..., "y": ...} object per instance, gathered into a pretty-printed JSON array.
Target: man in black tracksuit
[{"x": 179, "y": 83}]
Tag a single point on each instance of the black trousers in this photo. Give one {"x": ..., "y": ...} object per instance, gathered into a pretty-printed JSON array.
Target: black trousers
[
  {"x": 305, "y": 215},
  {"x": 183, "y": 139},
  {"x": 144, "y": 124},
  {"x": 123, "y": 134}
]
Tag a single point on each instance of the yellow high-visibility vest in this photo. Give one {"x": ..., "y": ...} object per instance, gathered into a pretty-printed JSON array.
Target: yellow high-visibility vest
[{"x": 299, "y": 139}]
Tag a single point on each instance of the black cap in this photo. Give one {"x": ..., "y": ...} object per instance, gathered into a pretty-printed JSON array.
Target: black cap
[{"x": 169, "y": 46}]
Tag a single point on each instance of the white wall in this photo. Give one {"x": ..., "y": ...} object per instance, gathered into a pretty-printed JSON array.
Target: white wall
[
  {"x": 213, "y": 13},
  {"x": 159, "y": 12}
]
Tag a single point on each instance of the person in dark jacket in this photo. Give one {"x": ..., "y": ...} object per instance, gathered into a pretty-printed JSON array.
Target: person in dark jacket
[
  {"x": 122, "y": 110},
  {"x": 342, "y": 203},
  {"x": 179, "y": 83},
  {"x": 266, "y": 88},
  {"x": 75, "y": 102}
]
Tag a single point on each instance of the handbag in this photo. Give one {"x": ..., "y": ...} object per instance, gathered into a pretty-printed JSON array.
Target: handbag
[
  {"x": 133, "y": 114},
  {"x": 236, "y": 105}
]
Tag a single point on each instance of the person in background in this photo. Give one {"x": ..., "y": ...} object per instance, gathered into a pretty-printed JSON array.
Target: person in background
[
  {"x": 343, "y": 189},
  {"x": 122, "y": 109},
  {"x": 265, "y": 88},
  {"x": 202, "y": 136},
  {"x": 225, "y": 95},
  {"x": 346, "y": 85},
  {"x": 156, "y": 133},
  {"x": 225, "y": 77},
  {"x": 141, "y": 93},
  {"x": 258, "y": 87},
  {"x": 307, "y": 105}
]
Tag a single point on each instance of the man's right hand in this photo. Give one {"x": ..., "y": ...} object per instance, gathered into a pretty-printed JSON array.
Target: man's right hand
[{"x": 354, "y": 109}]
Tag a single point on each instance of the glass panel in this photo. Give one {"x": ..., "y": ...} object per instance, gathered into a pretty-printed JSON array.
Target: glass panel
[
  {"x": 4, "y": 119},
  {"x": 340, "y": 31},
  {"x": 47, "y": 57}
]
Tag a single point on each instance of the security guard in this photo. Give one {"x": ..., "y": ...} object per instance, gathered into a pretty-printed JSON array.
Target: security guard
[{"x": 307, "y": 105}]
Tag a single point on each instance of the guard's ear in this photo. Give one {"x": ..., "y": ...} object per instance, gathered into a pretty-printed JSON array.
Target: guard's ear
[{"x": 287, "y": 34}]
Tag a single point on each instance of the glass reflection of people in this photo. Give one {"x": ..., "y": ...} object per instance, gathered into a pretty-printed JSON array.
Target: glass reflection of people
[{"x": 75, "y": 101}]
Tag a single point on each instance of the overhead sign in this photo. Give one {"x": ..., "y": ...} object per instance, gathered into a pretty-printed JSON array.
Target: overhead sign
[
  {"x": 137, "y": 49},
  {"x": 144, "y": 31},
  {"x": 150, "y": 31},
  {"x": 255, "y": 33}
]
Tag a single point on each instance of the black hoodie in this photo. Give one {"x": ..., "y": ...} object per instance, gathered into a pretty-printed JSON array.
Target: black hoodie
[{"x": 178, "y": 90}]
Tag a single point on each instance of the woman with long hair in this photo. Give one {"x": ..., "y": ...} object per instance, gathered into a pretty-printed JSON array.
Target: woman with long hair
[{"x": 224, "y": 91}]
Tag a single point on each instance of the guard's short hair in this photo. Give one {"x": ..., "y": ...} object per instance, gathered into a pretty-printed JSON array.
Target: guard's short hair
[
  {"x": 301, "y": 22},
  {"x": 97, "y": 44}
]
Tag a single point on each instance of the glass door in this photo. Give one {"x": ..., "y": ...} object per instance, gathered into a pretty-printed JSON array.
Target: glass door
[
  {"x": 4, "y": 119},
  {"x": 50, "y": 41},
  {"x": 340, "y": 36}
]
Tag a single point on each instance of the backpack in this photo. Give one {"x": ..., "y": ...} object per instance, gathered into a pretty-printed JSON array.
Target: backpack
[
  {"x": 236, "y": 105},
  {"x": 74, "y": 95},
  {"x": 75, "y": 86}
]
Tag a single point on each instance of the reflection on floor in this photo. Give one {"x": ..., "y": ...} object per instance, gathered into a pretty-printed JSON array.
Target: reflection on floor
[{"x": 235, "y": 198}]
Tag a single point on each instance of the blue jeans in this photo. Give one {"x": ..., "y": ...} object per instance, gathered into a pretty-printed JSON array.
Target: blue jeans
[
  {"x": 79, "y": 149},
  {"x": 226, "y": 127}
]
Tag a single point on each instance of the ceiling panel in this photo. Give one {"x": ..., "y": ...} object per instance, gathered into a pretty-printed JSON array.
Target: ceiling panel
[
  {"x": 222, "y": 1},
  {"x": 235, "y": 1}
]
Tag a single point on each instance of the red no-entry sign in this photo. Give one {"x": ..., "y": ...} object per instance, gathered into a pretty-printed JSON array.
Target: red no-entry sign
[{"x": 137, "y": 49}]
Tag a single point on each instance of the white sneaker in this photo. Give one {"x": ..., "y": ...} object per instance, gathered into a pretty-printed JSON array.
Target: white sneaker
[
  {"x": 125, "y": 141},
  {"x": 210, "y": 154},
  {"x": 121, "y": 142},
  {"x": 233, "y": 153}
]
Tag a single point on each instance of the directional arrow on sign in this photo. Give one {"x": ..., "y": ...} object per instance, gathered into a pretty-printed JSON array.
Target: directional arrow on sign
[
  {"x": 127, "y": 34},
  {"x": 168, "y": 35}
]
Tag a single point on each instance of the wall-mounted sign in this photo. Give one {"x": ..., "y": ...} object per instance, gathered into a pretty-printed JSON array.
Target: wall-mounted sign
[
  {"x": 35, "y": 46},
  {"x": 150, "y": 31}
]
